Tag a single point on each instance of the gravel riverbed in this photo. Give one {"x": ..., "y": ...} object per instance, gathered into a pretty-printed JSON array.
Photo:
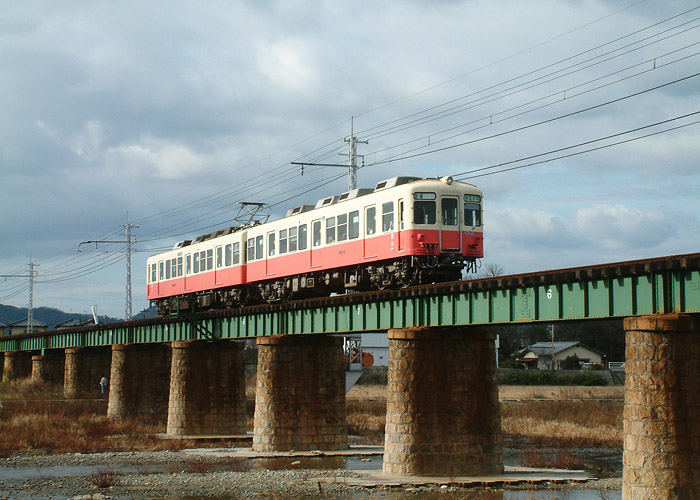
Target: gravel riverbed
[{"x": 176, "y": 475}]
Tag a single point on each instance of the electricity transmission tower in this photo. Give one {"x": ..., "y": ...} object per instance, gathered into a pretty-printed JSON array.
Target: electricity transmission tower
[
  {"x": 128, "y": 240},
  {"x": 30, "y": 307},
  {"x": 352, "y": 155}
]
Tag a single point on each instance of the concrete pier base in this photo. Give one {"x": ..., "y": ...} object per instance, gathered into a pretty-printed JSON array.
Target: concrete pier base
[
  {"x": 139, "y": 383},
  {"x": 48, "y": 367},
  {"x": 443, "y": 416},
  {"x": 17, "y": 364},
  {"x": 207, "y": 388},
  {"x": 84, "y": 367},
  {"x": 661, "y": 457},
  {"x": 300, "y": 394}
]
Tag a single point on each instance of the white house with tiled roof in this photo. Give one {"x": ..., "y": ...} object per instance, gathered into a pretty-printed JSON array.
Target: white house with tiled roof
[
  {"x": 21, "y": 326},
  {"x": 539, "y": 355}
]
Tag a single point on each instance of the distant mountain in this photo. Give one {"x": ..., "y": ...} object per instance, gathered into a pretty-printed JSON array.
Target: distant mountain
[
  {"x": 151, "y": 312},
  {"x": 48, "y": 315}
]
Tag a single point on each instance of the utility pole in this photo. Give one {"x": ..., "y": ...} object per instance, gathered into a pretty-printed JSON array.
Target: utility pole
[
  {"x": 129, "y": 240},
  {"x": 30, "y": 308},
  {"x": 551, "y": 330},
  {"x": 352, "y": 155},
  {"x": 127, "y": 307}
]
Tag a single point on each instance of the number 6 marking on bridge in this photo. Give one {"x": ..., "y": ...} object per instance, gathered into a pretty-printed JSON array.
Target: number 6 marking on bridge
[{"x": 549, "y": 293}]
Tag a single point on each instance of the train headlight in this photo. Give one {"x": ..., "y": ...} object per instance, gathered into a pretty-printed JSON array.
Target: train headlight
[{"x": 447, "y": 180}]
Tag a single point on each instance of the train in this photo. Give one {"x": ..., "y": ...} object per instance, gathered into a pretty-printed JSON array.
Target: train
[{"x": 406, "y": 231}]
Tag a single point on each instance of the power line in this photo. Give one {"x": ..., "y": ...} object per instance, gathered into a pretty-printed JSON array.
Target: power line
[
  {"x": 536, "y": 124},
  {"x": 467, "y": 174}
]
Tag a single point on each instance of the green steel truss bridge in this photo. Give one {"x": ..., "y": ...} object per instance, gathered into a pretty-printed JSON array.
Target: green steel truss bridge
[{"x": 635, "y": 288}]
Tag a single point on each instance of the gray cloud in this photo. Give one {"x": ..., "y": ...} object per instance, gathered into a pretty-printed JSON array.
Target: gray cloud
[{"x": 154, "y": 107}]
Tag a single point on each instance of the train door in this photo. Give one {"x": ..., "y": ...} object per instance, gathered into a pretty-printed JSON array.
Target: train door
[
  {"x": 315, "y": 243},
  {"x": 270, "y": 252},
  {"x": 219, "y": 264},
  {"x": 399, "y": 234},
  {"x": 370, "y": 242},
  {"x": 449, "y": 224},
  {"x": 188, "y": 270}
]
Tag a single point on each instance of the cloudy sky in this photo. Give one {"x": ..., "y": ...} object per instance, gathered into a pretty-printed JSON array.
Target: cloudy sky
[{"x": 576, "y": 118}]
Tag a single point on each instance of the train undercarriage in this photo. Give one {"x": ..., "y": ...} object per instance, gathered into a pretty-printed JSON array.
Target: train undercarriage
[{"x": 391, "y": 274}]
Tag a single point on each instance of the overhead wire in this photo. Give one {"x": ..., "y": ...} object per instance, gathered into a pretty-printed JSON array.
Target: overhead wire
[{"x": 541, "y": 122}]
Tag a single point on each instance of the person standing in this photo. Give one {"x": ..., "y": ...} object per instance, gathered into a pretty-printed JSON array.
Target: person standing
[{"x": 103, "y": 385}]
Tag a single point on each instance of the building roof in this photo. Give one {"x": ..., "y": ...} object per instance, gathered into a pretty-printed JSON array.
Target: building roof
[
  {"x": 545, "y": 348},
  {"x": 25, "y": 322},
  {"x": 70, "y": 323}
]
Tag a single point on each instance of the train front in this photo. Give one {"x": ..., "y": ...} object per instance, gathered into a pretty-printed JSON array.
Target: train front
[{"x": 444, "y": 223}]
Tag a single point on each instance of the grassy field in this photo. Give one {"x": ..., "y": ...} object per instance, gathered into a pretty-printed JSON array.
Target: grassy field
[
  {"x": 34, "y": 419},
  {"x": 583, "y": 417}
]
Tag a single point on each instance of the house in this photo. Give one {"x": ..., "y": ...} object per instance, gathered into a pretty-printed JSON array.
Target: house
[
  {"x": 72, "y": 323},
  {"x": 21, "y": 326},
  {"x": 539, "y": 355}
]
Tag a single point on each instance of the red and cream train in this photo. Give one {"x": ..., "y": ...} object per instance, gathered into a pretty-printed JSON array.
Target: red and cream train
[{"x": 403, "y": 232}]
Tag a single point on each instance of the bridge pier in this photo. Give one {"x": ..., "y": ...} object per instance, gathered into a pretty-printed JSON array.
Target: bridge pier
[
  {"x": 661, "y": 457},
  {"x": 443, "y": 415},
  {"x": 300, "y": 394},
  {"x": 139, "y": 382},
  {"x": 17, "y": 364},
  {"x": 48, "y": 367},
  {"x": 207, "y": 388},
  {"x": 84, "y": 367}
]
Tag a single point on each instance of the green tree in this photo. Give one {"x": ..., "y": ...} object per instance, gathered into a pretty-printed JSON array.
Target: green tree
[{"x": 571, "y": 363}]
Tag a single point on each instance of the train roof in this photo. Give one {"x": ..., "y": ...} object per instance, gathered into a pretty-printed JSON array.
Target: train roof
[{"x": 324, "y": 202}]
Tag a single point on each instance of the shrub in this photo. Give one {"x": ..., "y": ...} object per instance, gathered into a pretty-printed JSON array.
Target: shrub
[{"x": 548, "y": 377}]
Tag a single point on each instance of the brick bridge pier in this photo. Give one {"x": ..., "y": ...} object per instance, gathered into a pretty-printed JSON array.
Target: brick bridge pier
[{"x": 661, "y": 458}]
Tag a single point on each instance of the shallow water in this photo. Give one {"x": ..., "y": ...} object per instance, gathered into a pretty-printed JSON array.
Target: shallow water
[{"x": 14, "y": 476}]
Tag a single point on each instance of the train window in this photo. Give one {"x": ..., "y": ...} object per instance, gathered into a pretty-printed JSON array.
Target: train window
[
  {"x": 227, "y": 255},
  {"x": 251, "y": 249},
  {"x": 387, "y": 216},
  {"x": 154, "y": 274},
  {"x": 283, "y": 241},
  {"x": 173, "y": 268},
  {"x": 371, "y": 219},
  {"x": 219, "y": 257},
  {"x": 330, "y": 230},
  {"x": 302, "y": 237},
  {"x": 342, "y": 227},
  {"x": 236, "y": 253},
  {"x": 424, "y": 212},
  {"x": 167, "y": 269},
  {"x": 259, "y": 247},
  {"x": 271, "y": 244},
  {"x": 210, "y": 259},
  {"x": 292, "y": 239},
  {"x": 188, "y": 264},
  {"x": 179, "y": 265},
  {"x": 401, "y": 214},
  {"x": 161, "y": 273},
  {"x": 472, "y": 214},
  {"x": 450, "y": 215},
  {"x": 196, "y": 263},
  {"x": 316, "y": 231},
  {"x": 354, "y": 229}
]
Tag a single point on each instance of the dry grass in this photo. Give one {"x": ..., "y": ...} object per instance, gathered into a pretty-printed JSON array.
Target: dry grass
[
  {"x": 589, "y": 424},
  {"x": 582, "y": 418},
  {"x": 32, "y": 425}
]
